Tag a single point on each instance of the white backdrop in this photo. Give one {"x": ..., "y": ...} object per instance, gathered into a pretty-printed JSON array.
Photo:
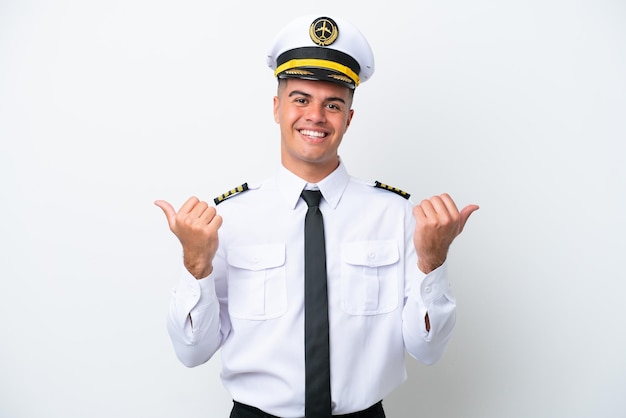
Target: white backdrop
[{"x": 517, "y": 106}]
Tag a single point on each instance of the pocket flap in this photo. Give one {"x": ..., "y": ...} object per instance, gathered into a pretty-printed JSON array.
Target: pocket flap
[
  {"x": 257, "y": 257},
  {"x": 370, "y": 253}
]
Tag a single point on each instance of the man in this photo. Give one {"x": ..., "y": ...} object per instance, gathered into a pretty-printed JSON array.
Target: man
[{"x": 252, "y": 277}]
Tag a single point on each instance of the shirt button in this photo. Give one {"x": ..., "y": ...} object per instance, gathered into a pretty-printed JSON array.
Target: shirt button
[
  {"x": 427, "y": 289},
  {"x": 372, "y": 255}
]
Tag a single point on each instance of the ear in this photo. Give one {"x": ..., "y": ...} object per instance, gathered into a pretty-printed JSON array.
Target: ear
[
  {"x": 276, "y": 106},
  {"x": 350, "y": 114}
]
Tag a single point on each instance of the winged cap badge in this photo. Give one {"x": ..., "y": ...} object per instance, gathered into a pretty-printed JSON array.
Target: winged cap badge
[{"x": 323, "y": 31}]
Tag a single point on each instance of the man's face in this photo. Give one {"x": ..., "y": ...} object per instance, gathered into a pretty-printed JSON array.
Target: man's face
[{"x": 313, "y": 116}]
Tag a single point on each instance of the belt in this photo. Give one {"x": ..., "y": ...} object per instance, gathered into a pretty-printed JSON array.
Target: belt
[{"x": 246, "y": 411}]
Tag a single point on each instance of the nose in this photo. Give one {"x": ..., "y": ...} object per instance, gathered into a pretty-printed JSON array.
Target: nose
[{"x": 316, "y": 113}]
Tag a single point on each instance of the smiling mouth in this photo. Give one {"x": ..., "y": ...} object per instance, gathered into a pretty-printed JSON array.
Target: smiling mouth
[{"x": 313, "y": 134}]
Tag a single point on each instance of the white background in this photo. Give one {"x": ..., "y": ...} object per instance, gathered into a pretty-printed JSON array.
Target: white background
[{"x": 518, "y": 106}]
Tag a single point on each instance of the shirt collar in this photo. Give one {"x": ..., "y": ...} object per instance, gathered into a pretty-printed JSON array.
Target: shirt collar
[{"x": 332, "y": 187}]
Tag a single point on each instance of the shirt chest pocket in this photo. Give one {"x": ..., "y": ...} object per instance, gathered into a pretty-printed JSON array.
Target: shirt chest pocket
[
  {"x": 257, "y": 287},
  {"x": 369, "y": 277}
]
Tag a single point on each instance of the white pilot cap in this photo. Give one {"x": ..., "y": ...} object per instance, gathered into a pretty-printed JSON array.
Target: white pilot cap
[{"x": 322, "y": 48}]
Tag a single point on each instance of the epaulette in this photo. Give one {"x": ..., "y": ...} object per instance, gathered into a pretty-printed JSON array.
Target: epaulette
[
  {"x": 392, "y": 189},
  {"x": 231, "y": 193}
]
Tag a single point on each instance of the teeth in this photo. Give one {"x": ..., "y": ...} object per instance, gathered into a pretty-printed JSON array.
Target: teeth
[{"x": 313, "y": 133}]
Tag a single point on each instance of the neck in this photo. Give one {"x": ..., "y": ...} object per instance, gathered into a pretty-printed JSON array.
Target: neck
[{"x": 312, "y": 172}]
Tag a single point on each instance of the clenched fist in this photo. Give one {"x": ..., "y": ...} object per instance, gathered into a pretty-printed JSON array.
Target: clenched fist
[{"x": 195, "y": 225}]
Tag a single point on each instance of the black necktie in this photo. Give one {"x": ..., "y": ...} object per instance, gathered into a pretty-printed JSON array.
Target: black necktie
[{"x": 316, "y": 346}]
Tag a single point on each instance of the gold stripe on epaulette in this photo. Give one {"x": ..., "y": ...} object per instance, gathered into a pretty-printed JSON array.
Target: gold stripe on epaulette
[
  {"x": 392, "y": 189},
  {"x": 231, "y": 193}
]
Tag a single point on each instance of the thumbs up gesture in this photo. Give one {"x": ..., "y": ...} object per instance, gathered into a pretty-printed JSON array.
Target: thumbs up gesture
[
  {"x": 438, "y": 223},
  {"x": 195, "y": 225}
]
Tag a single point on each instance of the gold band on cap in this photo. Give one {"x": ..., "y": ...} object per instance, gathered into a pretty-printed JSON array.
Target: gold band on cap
[{"x": 331, "y": 65}]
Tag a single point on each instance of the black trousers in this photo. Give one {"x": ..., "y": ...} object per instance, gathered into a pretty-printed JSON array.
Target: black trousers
[{"x": 245, "y": 411}]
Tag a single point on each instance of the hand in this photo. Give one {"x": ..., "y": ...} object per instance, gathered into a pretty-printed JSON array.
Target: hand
[
  {"x": 195, "y": 225},
  {"x": 438, "y": 222}
]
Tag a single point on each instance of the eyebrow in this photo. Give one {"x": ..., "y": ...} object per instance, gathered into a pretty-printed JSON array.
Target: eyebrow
[{"x": 328, "y": 99}]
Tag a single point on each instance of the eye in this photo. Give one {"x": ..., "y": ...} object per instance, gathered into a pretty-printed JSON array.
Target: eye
[{"x": 334, "y": 107}]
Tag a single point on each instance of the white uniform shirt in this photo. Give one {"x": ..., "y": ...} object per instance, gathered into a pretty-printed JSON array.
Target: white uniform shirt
[{"x": 252, "y": 304}]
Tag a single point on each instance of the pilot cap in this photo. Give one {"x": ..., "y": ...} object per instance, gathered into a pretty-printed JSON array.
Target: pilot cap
[{"x": 322, "y": 48}]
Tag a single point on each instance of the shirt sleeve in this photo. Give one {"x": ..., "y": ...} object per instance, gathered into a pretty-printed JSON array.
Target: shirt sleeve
[
  {"x": 193, "y": 322},
  {"x": 426, "y": 294},
  {"x": 430, "y": 295}
]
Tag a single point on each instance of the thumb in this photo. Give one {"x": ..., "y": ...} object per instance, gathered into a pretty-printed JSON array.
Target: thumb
[
  {"x": 168, "y": 210},
  {"x": 465, "y": 214}
]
